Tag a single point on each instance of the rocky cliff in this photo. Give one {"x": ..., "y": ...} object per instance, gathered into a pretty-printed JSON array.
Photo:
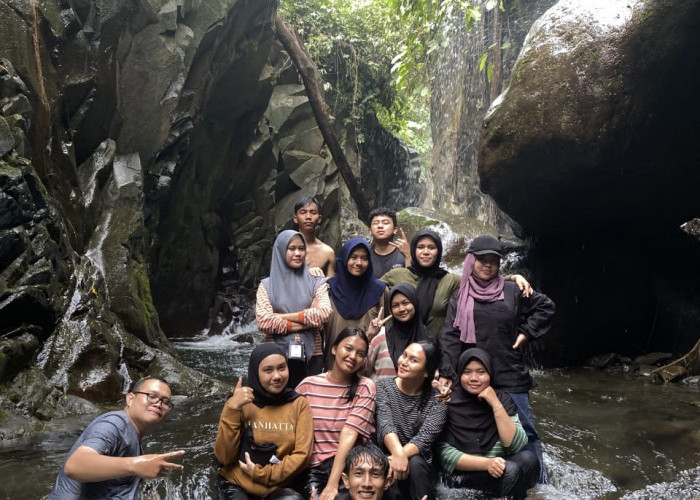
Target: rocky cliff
[
  {"x": 149, "y": 154},
  {"x": 592, "y": 151}
]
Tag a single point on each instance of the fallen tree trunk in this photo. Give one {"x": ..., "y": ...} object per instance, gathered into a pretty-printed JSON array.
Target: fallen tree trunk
[
  {"x": 685, "y": 366},
  {"x": 307, "y": 70}
]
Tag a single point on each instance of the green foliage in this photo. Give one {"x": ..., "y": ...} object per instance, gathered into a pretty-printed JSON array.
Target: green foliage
[
  {"x": 374, "y": 57},
  {"x": 351, "y": 43}
]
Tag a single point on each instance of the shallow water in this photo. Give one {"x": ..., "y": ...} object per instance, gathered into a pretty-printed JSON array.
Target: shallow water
[{"x": 605, "y": 436}]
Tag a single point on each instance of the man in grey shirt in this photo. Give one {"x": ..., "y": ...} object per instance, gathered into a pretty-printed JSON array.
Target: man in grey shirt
[
  {"x": 387, "y": 253},
  {"x": 106, "y": 461}
]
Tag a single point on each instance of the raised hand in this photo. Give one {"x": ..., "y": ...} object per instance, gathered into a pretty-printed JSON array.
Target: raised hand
[
  {"x": 523, "y": 284},
  {"x": 490, "y": 396},
  {"x": 443, "y": 386},
  {"x": 377, "y": 323},
  {"x": 401, "y": 243},
  {"x": 152, "y": 466},
  {"x": 316, "y": 271},
  {"x": 241, "y": 396}
]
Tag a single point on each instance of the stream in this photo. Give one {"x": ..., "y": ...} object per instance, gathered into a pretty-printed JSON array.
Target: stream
[{"x": 606, "y": 436}]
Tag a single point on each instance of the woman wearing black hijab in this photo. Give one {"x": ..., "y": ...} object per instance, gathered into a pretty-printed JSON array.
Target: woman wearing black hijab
[
  {"x": 267, "y": 399},
  {"x": 405, "y": 328},
  {"x": 483, "y": 440},
  {"x": 434, "y": 285}
]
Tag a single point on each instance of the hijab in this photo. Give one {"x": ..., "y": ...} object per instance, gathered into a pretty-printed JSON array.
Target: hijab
[
  {"x": 472, "y": 288},
  {"x": 289, "y": 290},
  {"x": 262, "y": 397},
  {"x": 429, "y": 277},
  {"x": 352, "y": 295},
  {"x": 401, "y": 334},
  {"x": 471, "y": 425}
]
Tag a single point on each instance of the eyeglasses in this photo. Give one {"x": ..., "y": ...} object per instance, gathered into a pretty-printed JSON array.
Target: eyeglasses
[{"x": 155, "y": 399}]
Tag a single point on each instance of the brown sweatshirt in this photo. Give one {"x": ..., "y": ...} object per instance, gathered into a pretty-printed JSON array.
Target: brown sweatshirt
[{"x": 289, "y": 426}]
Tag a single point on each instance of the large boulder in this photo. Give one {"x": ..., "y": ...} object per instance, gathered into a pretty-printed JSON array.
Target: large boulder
[
  {"x": 591, "y": 149},
  {"x": 590, "y": 130}
]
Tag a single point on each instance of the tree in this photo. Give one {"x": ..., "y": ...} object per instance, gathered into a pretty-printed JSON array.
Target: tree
[{"x": 307, "y": 72}]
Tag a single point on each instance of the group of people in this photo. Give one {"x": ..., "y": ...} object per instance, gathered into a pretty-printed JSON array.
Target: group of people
[{"x": 380, "y": 373}]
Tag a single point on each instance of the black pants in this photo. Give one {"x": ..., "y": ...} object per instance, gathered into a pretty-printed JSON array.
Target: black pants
[
  {"x": 317, "y": 477},
  {"x": 230, "y": 491},
  {"x": 299, "y": 370},
  {"x": 420, "y": 482},
  {"x": 522, "y": 472}
]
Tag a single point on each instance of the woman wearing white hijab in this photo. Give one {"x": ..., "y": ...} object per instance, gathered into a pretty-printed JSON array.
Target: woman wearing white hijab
[{"x": 291, "y": 305}]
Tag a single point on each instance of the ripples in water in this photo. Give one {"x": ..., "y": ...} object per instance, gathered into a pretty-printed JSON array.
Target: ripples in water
[{"x": 605, "y": 436}]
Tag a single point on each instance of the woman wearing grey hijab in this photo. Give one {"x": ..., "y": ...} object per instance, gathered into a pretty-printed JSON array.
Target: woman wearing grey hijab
[{"x": 291, "y": 306}]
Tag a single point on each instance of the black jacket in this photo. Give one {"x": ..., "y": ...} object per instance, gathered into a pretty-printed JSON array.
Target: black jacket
[{"x": 497, "y": 325}]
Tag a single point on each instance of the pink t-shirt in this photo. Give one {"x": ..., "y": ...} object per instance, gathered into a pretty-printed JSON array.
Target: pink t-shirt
[{"x": 331, "y": 411}]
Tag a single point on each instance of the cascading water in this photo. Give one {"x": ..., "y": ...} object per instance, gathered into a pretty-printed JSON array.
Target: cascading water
[{"x": 461, "y": 93}]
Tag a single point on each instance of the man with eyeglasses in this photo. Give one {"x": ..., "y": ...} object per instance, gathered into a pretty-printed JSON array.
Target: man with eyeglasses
[{"x": 107, "y": 460}]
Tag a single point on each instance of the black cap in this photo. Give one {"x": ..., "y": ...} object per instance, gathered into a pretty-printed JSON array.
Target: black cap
[{"x": 482, "y": 245}]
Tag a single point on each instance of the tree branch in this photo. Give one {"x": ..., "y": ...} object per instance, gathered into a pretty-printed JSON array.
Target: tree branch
[{"x": 307, "y": 70}]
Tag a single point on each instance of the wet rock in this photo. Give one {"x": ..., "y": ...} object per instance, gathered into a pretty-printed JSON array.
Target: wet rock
[
  {"x": 603, "y": 361},
  {"x": 692, "y": 227},
  {"x": 18, "y": 104},
  {"x": 653, "y": 358},
  {"x": 93, "y": 356},
  {"x": 15, "y": 353},
  {"x": 246, "y": 337},
  {"x": 118, "y": 249},
  {"x": 7, "y": 139}
]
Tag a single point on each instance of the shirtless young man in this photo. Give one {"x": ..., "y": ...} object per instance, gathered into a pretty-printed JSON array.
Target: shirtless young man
[
  {"x": 307, "y": 217},
  {"x": 387, "y": 253}
]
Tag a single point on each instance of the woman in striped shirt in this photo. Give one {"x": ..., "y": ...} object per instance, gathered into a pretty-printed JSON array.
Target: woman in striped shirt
[
  {"x": 484, "y": 441},
  {"x": 342, "y": 405},
  {"x": 291, "y": 305},
  {"x": 409, "y": 420}
]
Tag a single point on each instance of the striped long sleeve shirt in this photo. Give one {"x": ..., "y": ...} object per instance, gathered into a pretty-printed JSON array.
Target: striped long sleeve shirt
[
  {"x": 331, "y": 412},
  {"x": 316, "y": 315},
  {"x": 398, "y": 413},
  {"x": 449, "y": 455}
]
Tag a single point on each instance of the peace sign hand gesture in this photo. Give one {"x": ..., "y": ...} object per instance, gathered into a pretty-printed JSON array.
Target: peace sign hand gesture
[{"x": 377, "y": 323}]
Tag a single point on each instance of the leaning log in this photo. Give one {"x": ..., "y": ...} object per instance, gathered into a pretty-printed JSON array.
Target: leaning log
[{"x": 307, "y": 70}]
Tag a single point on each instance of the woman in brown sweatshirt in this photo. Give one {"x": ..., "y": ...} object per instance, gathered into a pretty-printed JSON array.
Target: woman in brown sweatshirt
[{"x": 278, "y": 416}]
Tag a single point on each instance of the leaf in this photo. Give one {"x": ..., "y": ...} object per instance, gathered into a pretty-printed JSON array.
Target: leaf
[
  {"x": 489, "y": 72},
  {"x": 482, "y": 61}
]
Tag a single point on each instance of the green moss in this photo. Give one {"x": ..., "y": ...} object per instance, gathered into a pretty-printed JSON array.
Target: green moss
[
  {"x": 142, "y": 289},
  {"x": 593, "y": 56},
  {"x": 8, "y": 170},
  {"x": 406, "y": 219}
]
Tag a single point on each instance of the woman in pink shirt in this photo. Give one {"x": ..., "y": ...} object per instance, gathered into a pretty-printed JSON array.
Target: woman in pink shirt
[{"x": 342, "y": 406}]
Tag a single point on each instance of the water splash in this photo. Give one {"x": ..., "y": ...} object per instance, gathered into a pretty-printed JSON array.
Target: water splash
[{"x": 687, "y": 485}]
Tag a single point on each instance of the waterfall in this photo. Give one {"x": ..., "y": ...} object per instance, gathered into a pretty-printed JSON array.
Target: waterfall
[{"x": 461, "y": 94}]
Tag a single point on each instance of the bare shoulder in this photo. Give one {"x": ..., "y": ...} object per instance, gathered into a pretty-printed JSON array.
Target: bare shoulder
[{"x": 327, "y": 250}]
